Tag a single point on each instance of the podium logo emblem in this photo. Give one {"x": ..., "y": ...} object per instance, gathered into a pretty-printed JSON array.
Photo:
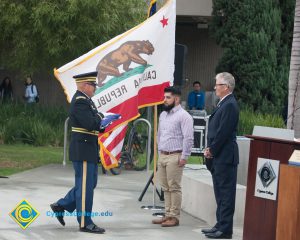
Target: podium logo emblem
[
  {"x": 24, "y": 214},
  {"x": 266, "y": 174}
]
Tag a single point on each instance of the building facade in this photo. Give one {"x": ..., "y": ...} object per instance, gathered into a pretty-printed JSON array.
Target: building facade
[{"x": 203, "y": 54}]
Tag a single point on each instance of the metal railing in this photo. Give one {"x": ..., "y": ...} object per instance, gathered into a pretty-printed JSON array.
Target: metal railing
[{"x": 148, "y": 141}]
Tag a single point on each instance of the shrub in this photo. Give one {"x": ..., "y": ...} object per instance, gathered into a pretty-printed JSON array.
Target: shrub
[
  {"x": 36, "y": 125},
  {"x": 249, "y": 118}
]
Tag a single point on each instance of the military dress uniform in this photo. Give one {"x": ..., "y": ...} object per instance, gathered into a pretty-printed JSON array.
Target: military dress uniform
[{"x": 85, "y": 121}]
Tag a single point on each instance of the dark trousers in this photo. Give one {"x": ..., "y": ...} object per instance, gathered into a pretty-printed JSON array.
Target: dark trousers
[
  {"x": 224, "y": 180},
  {"x": 73, "y": 199}
]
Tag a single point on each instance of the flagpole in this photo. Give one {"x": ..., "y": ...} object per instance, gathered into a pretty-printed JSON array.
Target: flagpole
[
  {"x": 151, "y": 11},
  {"x": 155, "y": 152}
]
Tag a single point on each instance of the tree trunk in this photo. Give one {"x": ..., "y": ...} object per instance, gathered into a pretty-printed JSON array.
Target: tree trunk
[{"x": 294, "y": 78}]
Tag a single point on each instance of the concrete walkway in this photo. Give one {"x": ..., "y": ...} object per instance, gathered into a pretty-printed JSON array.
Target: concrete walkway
[{"x": 117, "y": 195}]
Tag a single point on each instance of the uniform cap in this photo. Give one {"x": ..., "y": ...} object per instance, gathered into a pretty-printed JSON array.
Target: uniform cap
[{"x": 86, "y": 77}]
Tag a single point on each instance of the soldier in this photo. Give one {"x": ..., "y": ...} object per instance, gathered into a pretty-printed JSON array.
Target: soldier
[{"x": 86, "y": 123}]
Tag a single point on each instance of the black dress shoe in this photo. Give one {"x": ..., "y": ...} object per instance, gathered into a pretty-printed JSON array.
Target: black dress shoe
[
  {"x": 59, "y": 212},
  {"x": 92, "y": 228},
  {"x": 218, "y": 235},
  {"x": 209, "y": 230}
]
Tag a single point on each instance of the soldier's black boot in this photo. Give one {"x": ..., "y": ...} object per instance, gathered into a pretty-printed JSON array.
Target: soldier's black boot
[
  {"x": 92, "y": 228},
  {"x": 59, "y": 212}
]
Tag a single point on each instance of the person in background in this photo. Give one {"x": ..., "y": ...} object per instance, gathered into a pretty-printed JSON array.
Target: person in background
[
  {"x": 196, "y": 98},
  {"x": 6, "y": 91},
  {"x": 31, "y": 92}
]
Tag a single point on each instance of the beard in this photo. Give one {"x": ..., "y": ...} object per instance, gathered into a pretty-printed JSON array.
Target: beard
[{"x": 168, "y": 108}]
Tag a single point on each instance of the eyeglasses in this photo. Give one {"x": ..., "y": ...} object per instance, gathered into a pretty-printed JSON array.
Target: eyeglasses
[{"x": 220, "y": 84}]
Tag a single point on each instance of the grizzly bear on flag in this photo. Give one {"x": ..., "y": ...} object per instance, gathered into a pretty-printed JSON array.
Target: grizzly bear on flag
[{"x": 128, "y": 52}]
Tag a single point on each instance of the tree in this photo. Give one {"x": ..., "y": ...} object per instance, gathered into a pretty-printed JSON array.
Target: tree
[
  {"x": 251, "y": 34},
  {"x": 294, "y": 78},
  {"x": 39, "y": 35}
]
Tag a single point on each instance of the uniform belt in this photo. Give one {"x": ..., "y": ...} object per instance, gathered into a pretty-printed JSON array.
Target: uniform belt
[
  {"x": 82, "y": 130},
  {"x": 169, "y": 153}
]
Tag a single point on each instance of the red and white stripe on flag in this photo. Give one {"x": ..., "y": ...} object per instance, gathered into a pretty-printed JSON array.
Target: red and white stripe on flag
[{"x": 111, "y": 144}]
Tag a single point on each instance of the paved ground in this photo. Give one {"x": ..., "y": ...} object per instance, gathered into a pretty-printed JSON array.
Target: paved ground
[{"x": 117, "y": 195}]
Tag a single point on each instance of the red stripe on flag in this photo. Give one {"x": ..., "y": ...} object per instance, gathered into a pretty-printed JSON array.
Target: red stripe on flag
[
  {"x": 147, "y": 96},
  {"x": 110, "y": 153},
  {"x": 118, "y": 156},
  {"x": 117, "y": 140},
  {"x": 153, "y": 94}
]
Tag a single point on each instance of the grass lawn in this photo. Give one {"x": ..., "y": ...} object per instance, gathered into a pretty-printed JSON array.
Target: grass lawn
[
  {"x": 17, "y": 158},
  {"x": 195, "y": 160}
]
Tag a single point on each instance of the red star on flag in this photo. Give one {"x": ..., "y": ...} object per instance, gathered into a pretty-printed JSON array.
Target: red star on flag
[{"x": 164, "y": 21}]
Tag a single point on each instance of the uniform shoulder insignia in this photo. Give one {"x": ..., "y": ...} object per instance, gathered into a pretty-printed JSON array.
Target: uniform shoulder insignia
[{"x": 80, "y": 97}]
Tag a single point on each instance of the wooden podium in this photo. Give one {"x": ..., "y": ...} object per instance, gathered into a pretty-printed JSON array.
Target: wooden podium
[
  {"x": 261, "y": 214},
  {"x": 288, "y": 214}
]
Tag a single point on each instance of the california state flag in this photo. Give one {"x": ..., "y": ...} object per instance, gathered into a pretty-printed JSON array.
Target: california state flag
[{"x": 133, "y": 70}]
